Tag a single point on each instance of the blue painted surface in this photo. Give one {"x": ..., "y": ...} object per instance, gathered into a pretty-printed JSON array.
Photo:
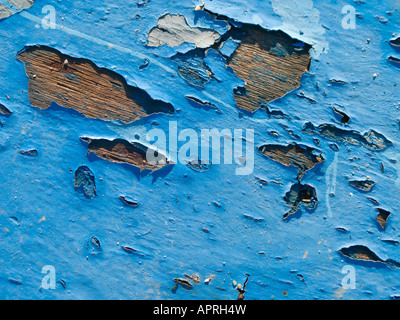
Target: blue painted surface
[{"x": 44, "y": 221}]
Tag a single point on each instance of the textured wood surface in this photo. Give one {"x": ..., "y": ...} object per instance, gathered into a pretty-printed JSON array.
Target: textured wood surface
[
  {"x": 81, "y": 85},
  {"x": 270, "y": 65},
  {"x": 304, "y": 158},
  {"x": 121, "y": 151}
]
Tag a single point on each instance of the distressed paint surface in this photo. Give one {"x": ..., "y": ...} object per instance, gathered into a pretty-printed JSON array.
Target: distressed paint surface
[
  {"x": 10, "y": 7},
  {"x": 207, "y": 221}
]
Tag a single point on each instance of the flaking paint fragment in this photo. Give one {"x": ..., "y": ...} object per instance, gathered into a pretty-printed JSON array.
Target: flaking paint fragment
[
  {"x": 85, "y": 182},
  {"x": 364, "y": 185},
  {"x": 344, "y": 118},
  {"x": 10, "y": 7},
  {"x": 129, "y": 202},
  {"x": 173, "y": 30},
  {"x": 21, "y": 4},
  {"x": 192, "y": 67},
  {"x": 395, "y": 61},
  {"x": 4, "y": 110},
  {"x": 371, "y": 139},
  {"x": 395, "y": 43},
  {"x": 5, "y": 12}
]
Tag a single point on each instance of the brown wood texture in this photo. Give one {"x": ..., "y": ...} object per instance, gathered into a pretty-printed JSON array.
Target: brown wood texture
[
  {"x": 269, "y": 64},
  {"x": 304, "y": 158},
  {"x": 79, "y": 84},
  {"x": 122, "y": 151}
]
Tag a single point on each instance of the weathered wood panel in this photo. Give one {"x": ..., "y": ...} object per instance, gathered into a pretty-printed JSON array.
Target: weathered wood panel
[
  {"x": 79, "y": 84},
  {"x": 270, "y": 65}
]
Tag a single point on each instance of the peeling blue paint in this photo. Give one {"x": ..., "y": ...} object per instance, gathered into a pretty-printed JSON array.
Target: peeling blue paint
[{"x": 165, "y": 232}]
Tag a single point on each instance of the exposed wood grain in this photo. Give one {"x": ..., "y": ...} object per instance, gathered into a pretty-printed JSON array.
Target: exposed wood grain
[
  {"x": 79, "y": 84},
  {"x": 304, "y": 158},
  {"x": 269, "y": 64},
  {"x": 122, "y": 151},
  {"x": 371, "y": 139}
]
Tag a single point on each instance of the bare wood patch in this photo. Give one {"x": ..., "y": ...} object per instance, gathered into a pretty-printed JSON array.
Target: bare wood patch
[
  {"x": 122, "y": 151},
  {"x": 270, "y": 65},
  {"x": 79, "y": 84},
  {"x": 304, "y": 158}
]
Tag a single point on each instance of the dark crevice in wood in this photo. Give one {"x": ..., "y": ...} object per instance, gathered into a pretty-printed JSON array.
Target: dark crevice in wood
[
  {"x": 382, "y": 217},
  {"x": 300, "y": 194},
  {"x": 4, "y": 110}
]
